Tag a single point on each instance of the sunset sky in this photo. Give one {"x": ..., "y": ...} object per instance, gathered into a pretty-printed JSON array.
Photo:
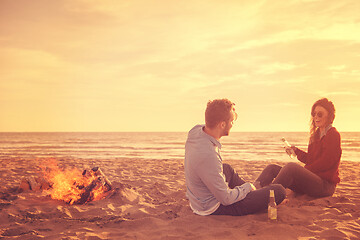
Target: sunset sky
[{"x": 89, "y": 65}]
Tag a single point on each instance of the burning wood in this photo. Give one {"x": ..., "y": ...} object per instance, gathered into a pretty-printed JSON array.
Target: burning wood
[
  {"x": 71, "y": 186},
  {"x": 97, "y": 188}
]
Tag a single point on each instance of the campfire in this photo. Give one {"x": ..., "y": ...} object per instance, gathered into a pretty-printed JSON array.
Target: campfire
[{"x": 70, "y": 185}]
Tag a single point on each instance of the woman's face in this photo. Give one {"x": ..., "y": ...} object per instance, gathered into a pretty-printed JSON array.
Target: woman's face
[{"x": 320, "y": 116}]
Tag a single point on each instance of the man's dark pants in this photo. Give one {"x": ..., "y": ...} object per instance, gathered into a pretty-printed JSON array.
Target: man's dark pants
[{"x": 255, "y": 201}]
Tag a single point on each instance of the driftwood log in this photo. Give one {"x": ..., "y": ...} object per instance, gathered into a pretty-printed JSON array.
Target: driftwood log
[{"x": 34, "y": 184}]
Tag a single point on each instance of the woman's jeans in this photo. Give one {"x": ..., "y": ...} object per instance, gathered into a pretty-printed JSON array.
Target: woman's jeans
[
  {"x": 298, "y": 179},
  {"x": 255, "y": 201}
]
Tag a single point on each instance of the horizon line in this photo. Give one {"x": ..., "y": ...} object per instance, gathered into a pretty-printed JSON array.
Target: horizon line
[{"x": 158, "y": 132}]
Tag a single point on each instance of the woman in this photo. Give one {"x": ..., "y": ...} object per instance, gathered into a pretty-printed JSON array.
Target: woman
[{"x": 320, "y": 175}]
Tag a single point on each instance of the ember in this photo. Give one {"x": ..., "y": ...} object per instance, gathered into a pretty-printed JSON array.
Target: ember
[{"x": 71, "y": 185}]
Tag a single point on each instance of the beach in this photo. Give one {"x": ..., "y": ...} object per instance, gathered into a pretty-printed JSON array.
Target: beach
[{"x": 150, "y": 203}]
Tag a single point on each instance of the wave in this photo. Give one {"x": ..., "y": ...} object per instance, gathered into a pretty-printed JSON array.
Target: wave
[{"x": 16, "y": 142}]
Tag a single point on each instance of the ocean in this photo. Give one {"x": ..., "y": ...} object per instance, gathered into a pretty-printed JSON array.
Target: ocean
[{"x": 247, "y": 146}]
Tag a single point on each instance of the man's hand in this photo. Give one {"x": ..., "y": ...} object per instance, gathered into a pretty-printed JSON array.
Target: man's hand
[
  {"x": 256, "y": 185},
  {"x": 252, "y": 187}
]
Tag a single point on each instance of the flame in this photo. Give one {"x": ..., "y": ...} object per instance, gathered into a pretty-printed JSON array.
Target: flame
[{"x": 71, "y": 185}]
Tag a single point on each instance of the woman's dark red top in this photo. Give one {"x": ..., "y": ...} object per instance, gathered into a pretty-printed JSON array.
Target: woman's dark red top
[{"x": 323, "y": 156}]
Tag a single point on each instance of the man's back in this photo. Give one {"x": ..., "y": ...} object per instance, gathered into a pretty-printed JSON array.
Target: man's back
[{"x": 200, "y": 151}]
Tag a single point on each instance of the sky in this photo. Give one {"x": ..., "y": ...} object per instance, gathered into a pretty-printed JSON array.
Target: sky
[{"x": 113, "y": 65}]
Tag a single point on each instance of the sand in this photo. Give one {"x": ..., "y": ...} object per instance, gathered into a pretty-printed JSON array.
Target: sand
[{"x": 150, "y": 203}]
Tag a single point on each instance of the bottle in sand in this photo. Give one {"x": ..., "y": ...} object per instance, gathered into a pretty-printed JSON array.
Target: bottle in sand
[
  {"x": 288, "y": 149},
  {"x": 272, "y": 210}
]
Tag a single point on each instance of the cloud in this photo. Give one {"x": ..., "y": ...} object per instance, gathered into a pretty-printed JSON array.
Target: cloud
[
  {"x": 340, "y": 31},
  {"x": 338, "y": 93},
  {"x": 337, "y": 68},
  {"x": 275, "y": 67},
  {"x": 349, "y": 72},
  {"x": 287, "y": 104}
]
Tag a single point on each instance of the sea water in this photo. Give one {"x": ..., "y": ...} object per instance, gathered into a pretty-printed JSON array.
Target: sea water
[{"x": 248, "y": 146}]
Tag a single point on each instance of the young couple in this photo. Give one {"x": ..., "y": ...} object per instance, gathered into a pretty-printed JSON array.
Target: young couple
[{"x": 214, "y": 188}]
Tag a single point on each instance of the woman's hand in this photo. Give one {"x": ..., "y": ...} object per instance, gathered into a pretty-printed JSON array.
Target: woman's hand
[{"x": 291, "y": 151}]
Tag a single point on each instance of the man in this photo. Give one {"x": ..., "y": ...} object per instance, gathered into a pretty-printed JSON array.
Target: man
[{"x": 214, "y": 188}]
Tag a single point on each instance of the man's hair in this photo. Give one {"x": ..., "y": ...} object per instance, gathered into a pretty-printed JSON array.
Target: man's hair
[{"x": 218, "y": 111}]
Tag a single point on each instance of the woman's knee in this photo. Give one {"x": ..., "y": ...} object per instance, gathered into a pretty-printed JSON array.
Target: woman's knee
[
  {"x": 267, "y": 175},
  {"x": 227, "y": 168},
  {"x": 228, "y": 171},
  {"x": 272, "y": 168},
  {"x": 291, "y": 167}
]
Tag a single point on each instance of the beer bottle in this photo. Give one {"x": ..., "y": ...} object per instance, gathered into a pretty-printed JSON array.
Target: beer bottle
[
  {"x": 288, "y": 149},
  {"x": 272, "y": 210}
]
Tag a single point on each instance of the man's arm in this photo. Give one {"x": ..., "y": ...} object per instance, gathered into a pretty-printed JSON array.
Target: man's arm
[{"x": 211, "y": 173}]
